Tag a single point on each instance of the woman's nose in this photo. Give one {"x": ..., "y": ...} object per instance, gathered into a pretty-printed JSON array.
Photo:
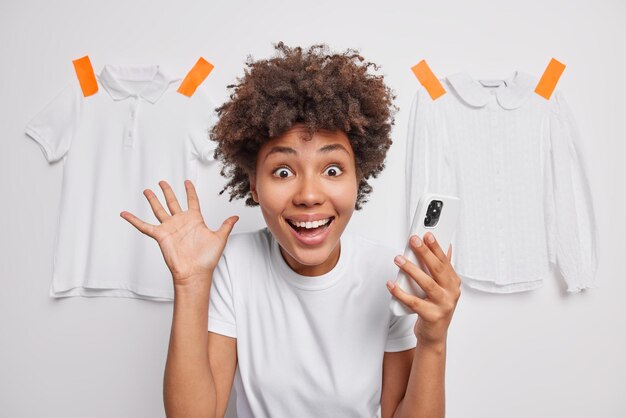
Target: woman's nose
[{"x": 309, "y": 193}]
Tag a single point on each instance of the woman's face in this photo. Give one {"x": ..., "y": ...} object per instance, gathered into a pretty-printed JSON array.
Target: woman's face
[{"x": 299, "y": 181}]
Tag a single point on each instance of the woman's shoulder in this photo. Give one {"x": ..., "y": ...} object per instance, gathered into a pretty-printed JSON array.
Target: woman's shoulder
[
  {"x": 370, "y": 247},
  {"x": 246, "y": 242},
  {"x": 363, "y": 242},
  {"x": 259, "y": 242},
  {"x": 373, "y": 258}
]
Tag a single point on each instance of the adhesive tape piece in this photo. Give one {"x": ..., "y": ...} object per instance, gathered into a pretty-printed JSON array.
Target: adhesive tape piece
[
  {"x": 86, "y": 76},
  {"x": 195, "y": 77},
  {"x": 427, "y": 79},
  {"x": 549, "y": 79}
]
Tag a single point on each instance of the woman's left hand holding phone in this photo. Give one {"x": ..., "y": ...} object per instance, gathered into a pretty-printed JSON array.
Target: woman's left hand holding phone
[{"x": 442, "y": 288}]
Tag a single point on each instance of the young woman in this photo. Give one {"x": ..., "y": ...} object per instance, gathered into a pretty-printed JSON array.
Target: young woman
[{"x": 298, "y": 315}]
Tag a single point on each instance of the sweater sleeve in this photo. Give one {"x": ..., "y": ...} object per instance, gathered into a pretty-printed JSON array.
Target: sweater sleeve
[
  {"x": 572, "y": 228},
  {"x": 428, "y": 159}
]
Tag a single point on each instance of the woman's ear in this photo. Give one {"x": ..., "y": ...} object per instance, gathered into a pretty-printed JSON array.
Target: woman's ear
[
  {"x": 252, "y": 180},
  {"x": 359, "y": 176}
]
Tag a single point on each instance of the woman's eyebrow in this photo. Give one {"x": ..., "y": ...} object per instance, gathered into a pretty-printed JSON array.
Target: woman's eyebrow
[
  {"x": 285, "y": 150},
  {"x": 288, "y": 150},
  {"x": 333, "y": 147}
]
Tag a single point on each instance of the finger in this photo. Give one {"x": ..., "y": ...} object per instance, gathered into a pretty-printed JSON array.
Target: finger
[
  {"x": 144, "y": 227},
  {"x": 426, "y": 282},
  {"x": 170, "y": 198},
  {"x": 424, "y": 253},
  {"x": 417, "y": 305},
  {"x": 156, "y": 206},
  {"x": 450, "y": 253},
  {"x": 227, "y": 227},
  {"x": 434, "y": 246},
  {"x": 192, "y": 196}
]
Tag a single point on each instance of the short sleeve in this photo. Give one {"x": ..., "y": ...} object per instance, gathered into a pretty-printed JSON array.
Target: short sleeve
[
  {"x": 401, "y": 335},
  {"x": 572, "y": 227},
  {"x": 54, "y": 126},
  {"x": 221, "y": 304},
  {"x": 202, "y": 116}
]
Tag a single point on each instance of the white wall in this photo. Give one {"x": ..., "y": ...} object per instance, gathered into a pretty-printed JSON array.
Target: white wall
[{"x": 539, "y": 354}]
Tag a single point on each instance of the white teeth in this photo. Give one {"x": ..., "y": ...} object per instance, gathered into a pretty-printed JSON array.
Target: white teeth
[{"x": 309, "y": 225}]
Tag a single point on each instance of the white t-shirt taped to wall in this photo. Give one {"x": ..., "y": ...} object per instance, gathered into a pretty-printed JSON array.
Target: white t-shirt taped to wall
[
  {"x": 307, "y": 346},
  {"x": 136, "y": 131}
]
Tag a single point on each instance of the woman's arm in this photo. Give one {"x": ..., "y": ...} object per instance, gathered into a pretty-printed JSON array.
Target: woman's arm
[
  {"x": 425, "y": 392},
  {"x": 191, "y": 251},
  {"x": 188, "y": 386}
]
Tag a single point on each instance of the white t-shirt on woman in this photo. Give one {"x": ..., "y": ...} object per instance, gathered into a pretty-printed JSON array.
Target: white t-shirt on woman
[{"x": 307, "y": 346}]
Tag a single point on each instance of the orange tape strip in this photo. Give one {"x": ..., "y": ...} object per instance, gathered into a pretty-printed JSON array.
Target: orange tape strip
[
  {"x": 195, "y": 77},
  {"x": 86, "y": 77},
  {"x": 549, "y": 79},
  {"x": 426, "y": 77}
]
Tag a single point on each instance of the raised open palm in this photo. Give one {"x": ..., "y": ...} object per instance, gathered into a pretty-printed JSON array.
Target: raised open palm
[{"x": 190, "y": 249}]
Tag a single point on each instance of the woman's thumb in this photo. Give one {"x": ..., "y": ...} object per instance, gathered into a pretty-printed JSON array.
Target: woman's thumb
[{"x": 227, "y": 226}]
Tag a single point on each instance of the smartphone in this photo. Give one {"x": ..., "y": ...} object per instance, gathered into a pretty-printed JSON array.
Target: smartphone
[{"x": 438, "y": 214}]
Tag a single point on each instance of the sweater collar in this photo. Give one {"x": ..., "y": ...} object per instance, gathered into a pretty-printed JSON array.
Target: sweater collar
[{"x": 510, "y": 93}]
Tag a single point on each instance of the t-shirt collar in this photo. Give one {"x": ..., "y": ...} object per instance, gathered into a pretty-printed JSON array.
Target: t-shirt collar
[
  {"x": 282, "y": 269},
  {"x": 111, "y": 75},
  {"x": 510, "y": 93}
]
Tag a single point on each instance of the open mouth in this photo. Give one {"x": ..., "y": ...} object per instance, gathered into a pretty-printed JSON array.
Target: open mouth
[{"x": 310, "y": 229}]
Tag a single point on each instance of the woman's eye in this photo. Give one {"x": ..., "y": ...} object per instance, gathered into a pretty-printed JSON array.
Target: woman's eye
[
  {"x": 333, "y": 170},
  {"x": 282, "y": 172}
]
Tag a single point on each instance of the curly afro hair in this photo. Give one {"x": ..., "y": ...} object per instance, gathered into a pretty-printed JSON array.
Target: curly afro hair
[{"x": 322, "y": 91}]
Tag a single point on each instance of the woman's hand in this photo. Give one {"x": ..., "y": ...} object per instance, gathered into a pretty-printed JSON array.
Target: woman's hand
[
  {"x": 190, "y": 249},
  {"x": 442, "y": 288}
]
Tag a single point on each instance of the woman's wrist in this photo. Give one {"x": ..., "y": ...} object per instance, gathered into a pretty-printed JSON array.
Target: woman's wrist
[
  {"x": 193, "y": 285},
  {"x": 435, "y": 347},
  {"x": 437, "y": 344}
]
